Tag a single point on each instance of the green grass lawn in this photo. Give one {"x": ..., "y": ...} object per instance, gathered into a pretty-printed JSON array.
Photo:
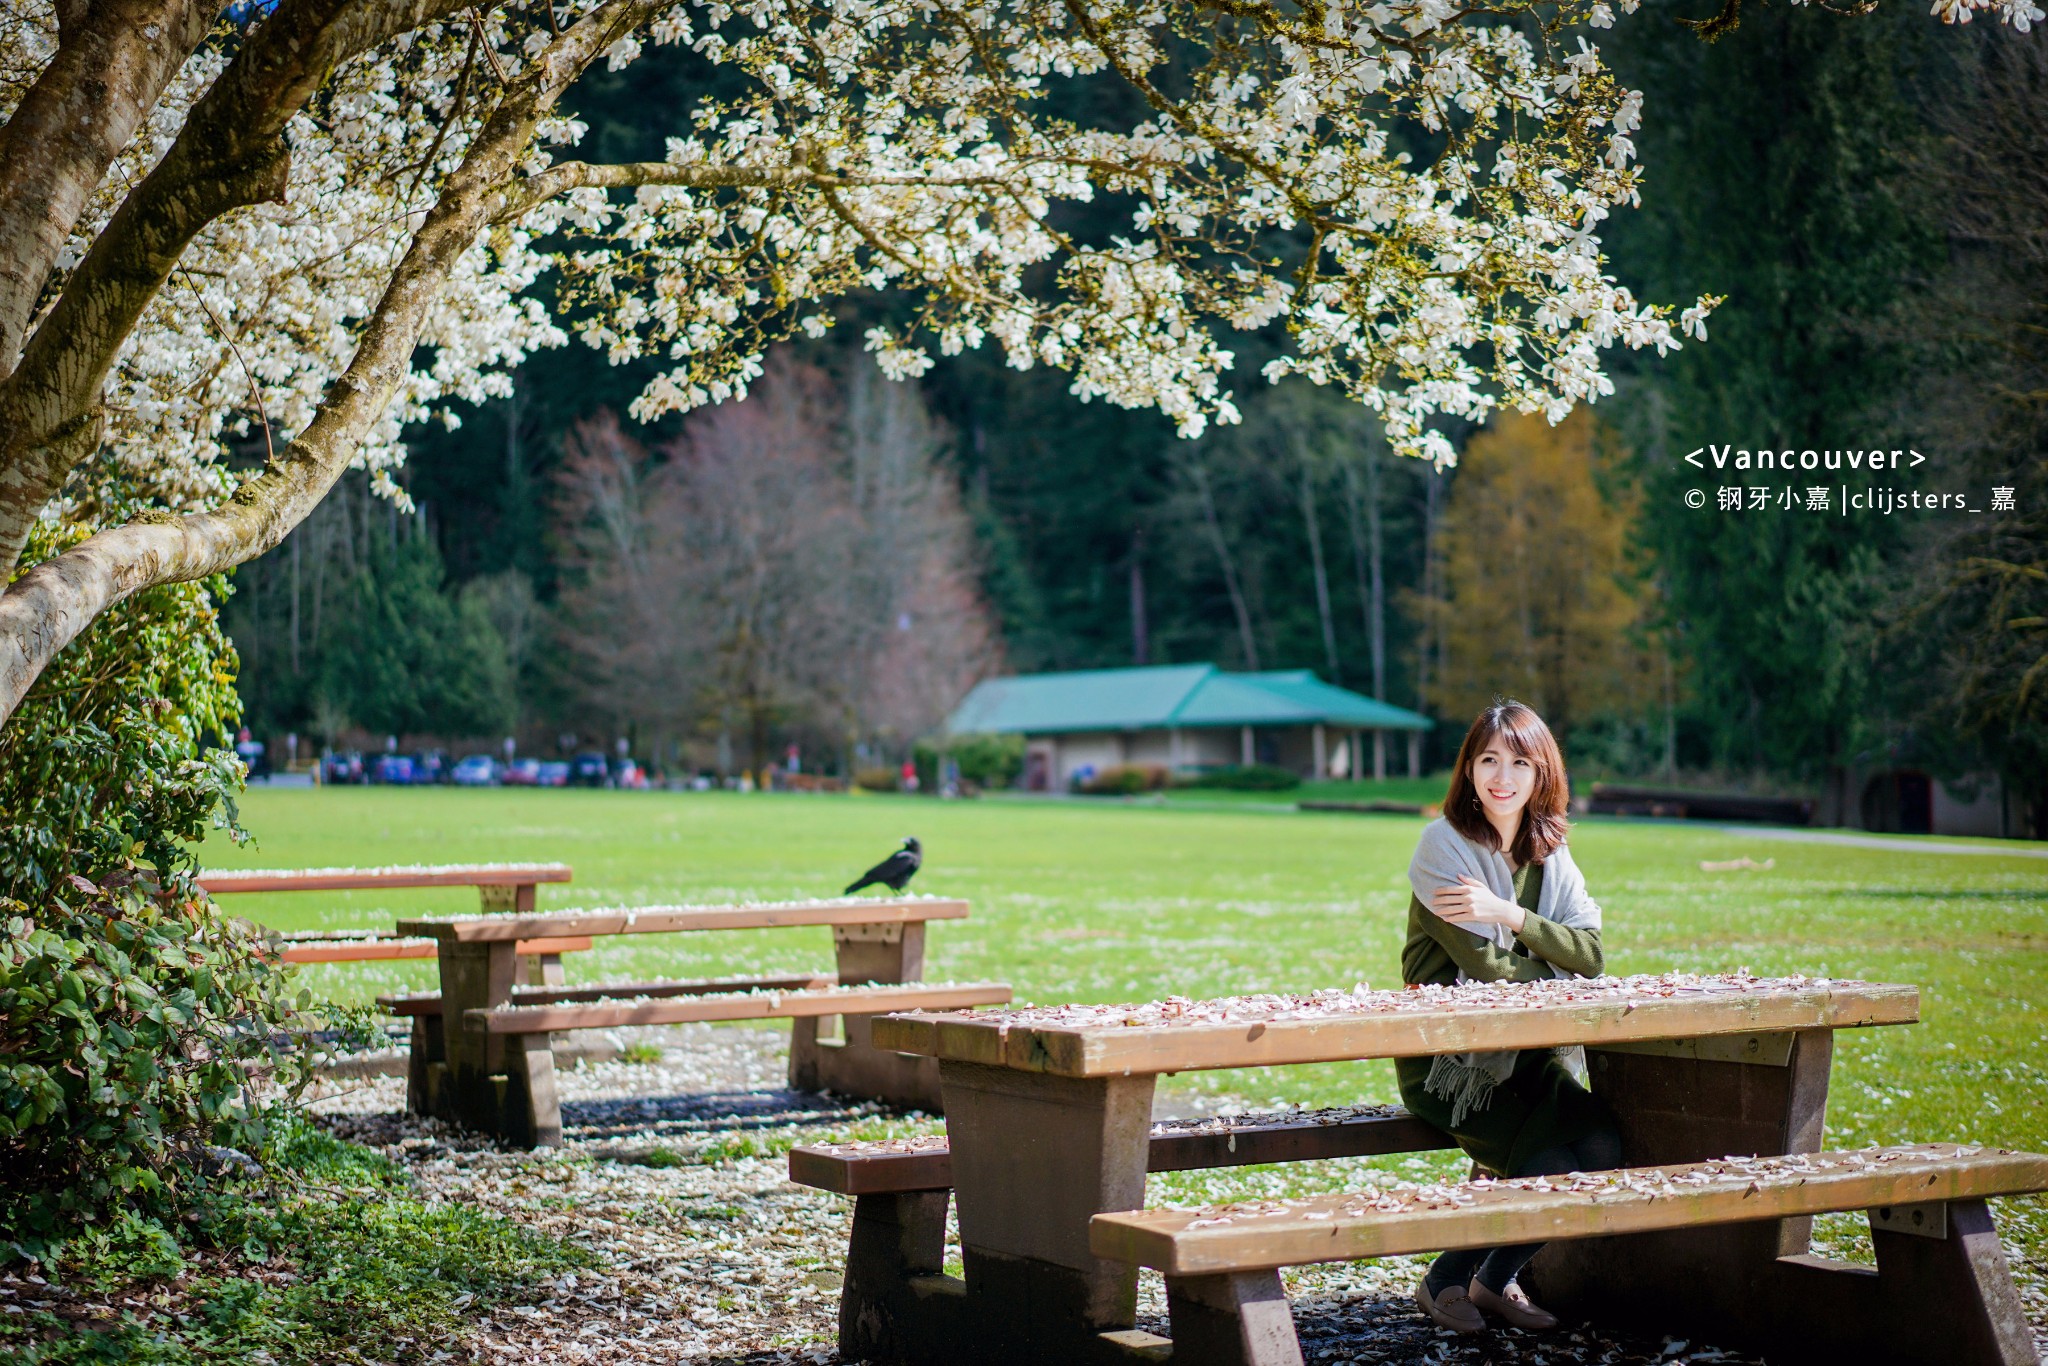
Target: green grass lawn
[{"x": 1082, "y": 900}]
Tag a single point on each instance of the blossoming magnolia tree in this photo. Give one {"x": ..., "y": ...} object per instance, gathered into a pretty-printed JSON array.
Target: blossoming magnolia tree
[{"x": 321, "y": 219}]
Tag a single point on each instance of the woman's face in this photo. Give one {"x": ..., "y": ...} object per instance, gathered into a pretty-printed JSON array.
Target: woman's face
[{"x": 1504, "y": 780}]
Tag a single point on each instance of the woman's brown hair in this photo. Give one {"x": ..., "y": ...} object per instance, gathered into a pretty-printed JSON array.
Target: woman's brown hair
[{"x": 1516, "y": 727}]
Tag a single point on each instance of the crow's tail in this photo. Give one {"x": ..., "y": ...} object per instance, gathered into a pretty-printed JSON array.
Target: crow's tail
[{"x": 864, "y": 882}]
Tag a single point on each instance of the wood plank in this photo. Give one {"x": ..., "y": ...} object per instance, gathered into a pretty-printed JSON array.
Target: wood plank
[
  {"x": 385, "y": 948},
  {"x": 896, "y": 1166},
  {"x": 1613, "y": 1015},
  {"x": 611, "y": 991},
  {"x": 429, "y": 1002},
  {"x": 1537, "y": 1209},
  {"x": 562, "y": 943},
  {"x": 223, "y": 880},
  {"x": 685, "y": 919},
  {"x": 360, "y": 951},
  {"x": 767, "y": 1005}
]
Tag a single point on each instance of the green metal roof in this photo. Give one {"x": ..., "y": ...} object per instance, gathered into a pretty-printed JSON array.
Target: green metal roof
[{"x": 1183, "y": 695}]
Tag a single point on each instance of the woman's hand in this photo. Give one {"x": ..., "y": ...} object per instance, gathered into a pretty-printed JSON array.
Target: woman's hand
[{"x": 1468, "y": 902}]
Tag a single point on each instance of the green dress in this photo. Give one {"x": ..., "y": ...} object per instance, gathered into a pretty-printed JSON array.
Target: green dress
[{"x": 1540, "y": 1105}]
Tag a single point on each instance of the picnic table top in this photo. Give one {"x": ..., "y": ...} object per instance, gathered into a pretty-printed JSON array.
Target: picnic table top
[
  {"x": 1180, "y": 1035},
  {"x": 489, "y": 928},
  {"x": 218, "y": 880}
]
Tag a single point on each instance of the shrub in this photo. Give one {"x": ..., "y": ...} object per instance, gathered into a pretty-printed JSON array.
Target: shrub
[
  {"x": 877, "y": 779},
  {"x": 135, "y": 1020},
  {"x": 105, "y": 761},
  {"x": 984, "y": 760},
  {"x": 1246, "y": 778},
  {"x": 1127, "y": 780}
]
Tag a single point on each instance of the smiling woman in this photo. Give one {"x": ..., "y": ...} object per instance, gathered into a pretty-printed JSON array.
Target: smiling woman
[{"x": 1497, "y": 898}]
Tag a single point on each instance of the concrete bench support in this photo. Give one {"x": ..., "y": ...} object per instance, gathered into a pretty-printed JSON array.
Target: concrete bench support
[{"x": 851, "y": 1064}]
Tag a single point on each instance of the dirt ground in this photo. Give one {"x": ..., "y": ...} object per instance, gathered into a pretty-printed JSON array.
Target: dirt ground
[{"x": 672, "y": 1174}]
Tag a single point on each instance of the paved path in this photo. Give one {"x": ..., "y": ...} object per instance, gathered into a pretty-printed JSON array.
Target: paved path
[{"x": 1904, "y": 846}]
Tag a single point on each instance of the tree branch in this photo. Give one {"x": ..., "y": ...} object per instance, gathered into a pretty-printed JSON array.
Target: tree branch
[
  {"x": 230, "y": 153},
  {"x": 534, "y": 190},
  {"x": 46, "y": 608},
  {"x": 114, "y": 58}
]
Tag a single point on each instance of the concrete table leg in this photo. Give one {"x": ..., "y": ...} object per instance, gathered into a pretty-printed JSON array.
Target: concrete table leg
[
  {"x": 1034, "y": 1157},
  {"x": 1946, "y": 1301},
  {"x": 473, "y": 977},
  {"x": 426, "y": 1065}
]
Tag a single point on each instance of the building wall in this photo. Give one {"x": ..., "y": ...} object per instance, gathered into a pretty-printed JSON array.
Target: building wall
[
  {"x": 1148, "y": 747},
  {"x": 1210, "y": 747},
  {"x": 1092, "y": 749},
  {"x": 1975, "y": 806},
  {"x": 1893, "y": 800},
  {"x": 1291, "y": 747}
]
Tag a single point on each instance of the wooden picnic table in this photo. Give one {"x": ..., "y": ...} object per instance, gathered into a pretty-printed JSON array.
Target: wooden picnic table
[
  {"x": 480, "y": 1054},
  {"x": 500, "y": 887},
  {"x": 1048, "y": 1117}
]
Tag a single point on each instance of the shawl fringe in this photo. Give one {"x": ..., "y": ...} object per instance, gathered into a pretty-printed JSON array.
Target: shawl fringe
[{"x": 1463, "y": 1087}]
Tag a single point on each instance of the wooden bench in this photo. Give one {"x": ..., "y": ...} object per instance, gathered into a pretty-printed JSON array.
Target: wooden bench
[
  {"x": 1928, "y": 1218},
  {"x": 901, "y": 1187},
  {"x": 491, "y": 1069},
  {"x": 900, "y": 1166}
]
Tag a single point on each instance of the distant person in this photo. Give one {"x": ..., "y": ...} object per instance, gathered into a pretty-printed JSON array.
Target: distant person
[
  {"x": 252, "y": 752},
  {"x": 1497, "y": 898}
]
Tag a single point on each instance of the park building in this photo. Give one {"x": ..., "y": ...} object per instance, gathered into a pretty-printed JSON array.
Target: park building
[{"x": 1187, "y": 717}]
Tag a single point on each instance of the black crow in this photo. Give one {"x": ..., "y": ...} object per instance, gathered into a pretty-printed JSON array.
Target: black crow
[{"x": 893, "y": 872}]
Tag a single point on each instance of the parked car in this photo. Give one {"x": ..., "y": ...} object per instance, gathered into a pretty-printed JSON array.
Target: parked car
[
  {"x": 430, "y": 766},
  {"x": 394, "y": 769},
  {"x": 522, "y": 773},
  {"x": 476, "y": 770},
  {"x": 590, "y": 769},
  {"x": 553, "y": 773},
  {"x": 342, "y": 766}
]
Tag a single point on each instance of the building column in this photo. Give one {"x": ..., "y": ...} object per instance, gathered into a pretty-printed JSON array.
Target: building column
[
  {"x": 1415, "y": 754},
  {"x": 1379, "y": 756},
  {"x": 1245, "y": 750},
  {"x": 1322, "y": 751},
  {"x": 1173, "y": 750}
]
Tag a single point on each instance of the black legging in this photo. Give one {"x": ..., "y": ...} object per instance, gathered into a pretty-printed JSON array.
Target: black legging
[{"x": 1495, "y": 1267}]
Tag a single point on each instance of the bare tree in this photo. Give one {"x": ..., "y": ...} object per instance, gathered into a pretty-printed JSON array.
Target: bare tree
[
  {"x": 1198, "y": 479},
  {"x": 798, "y": 557}
]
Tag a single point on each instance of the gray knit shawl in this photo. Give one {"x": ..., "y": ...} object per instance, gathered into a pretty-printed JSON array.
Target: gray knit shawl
[{"x": 1466, "y": 1080}]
